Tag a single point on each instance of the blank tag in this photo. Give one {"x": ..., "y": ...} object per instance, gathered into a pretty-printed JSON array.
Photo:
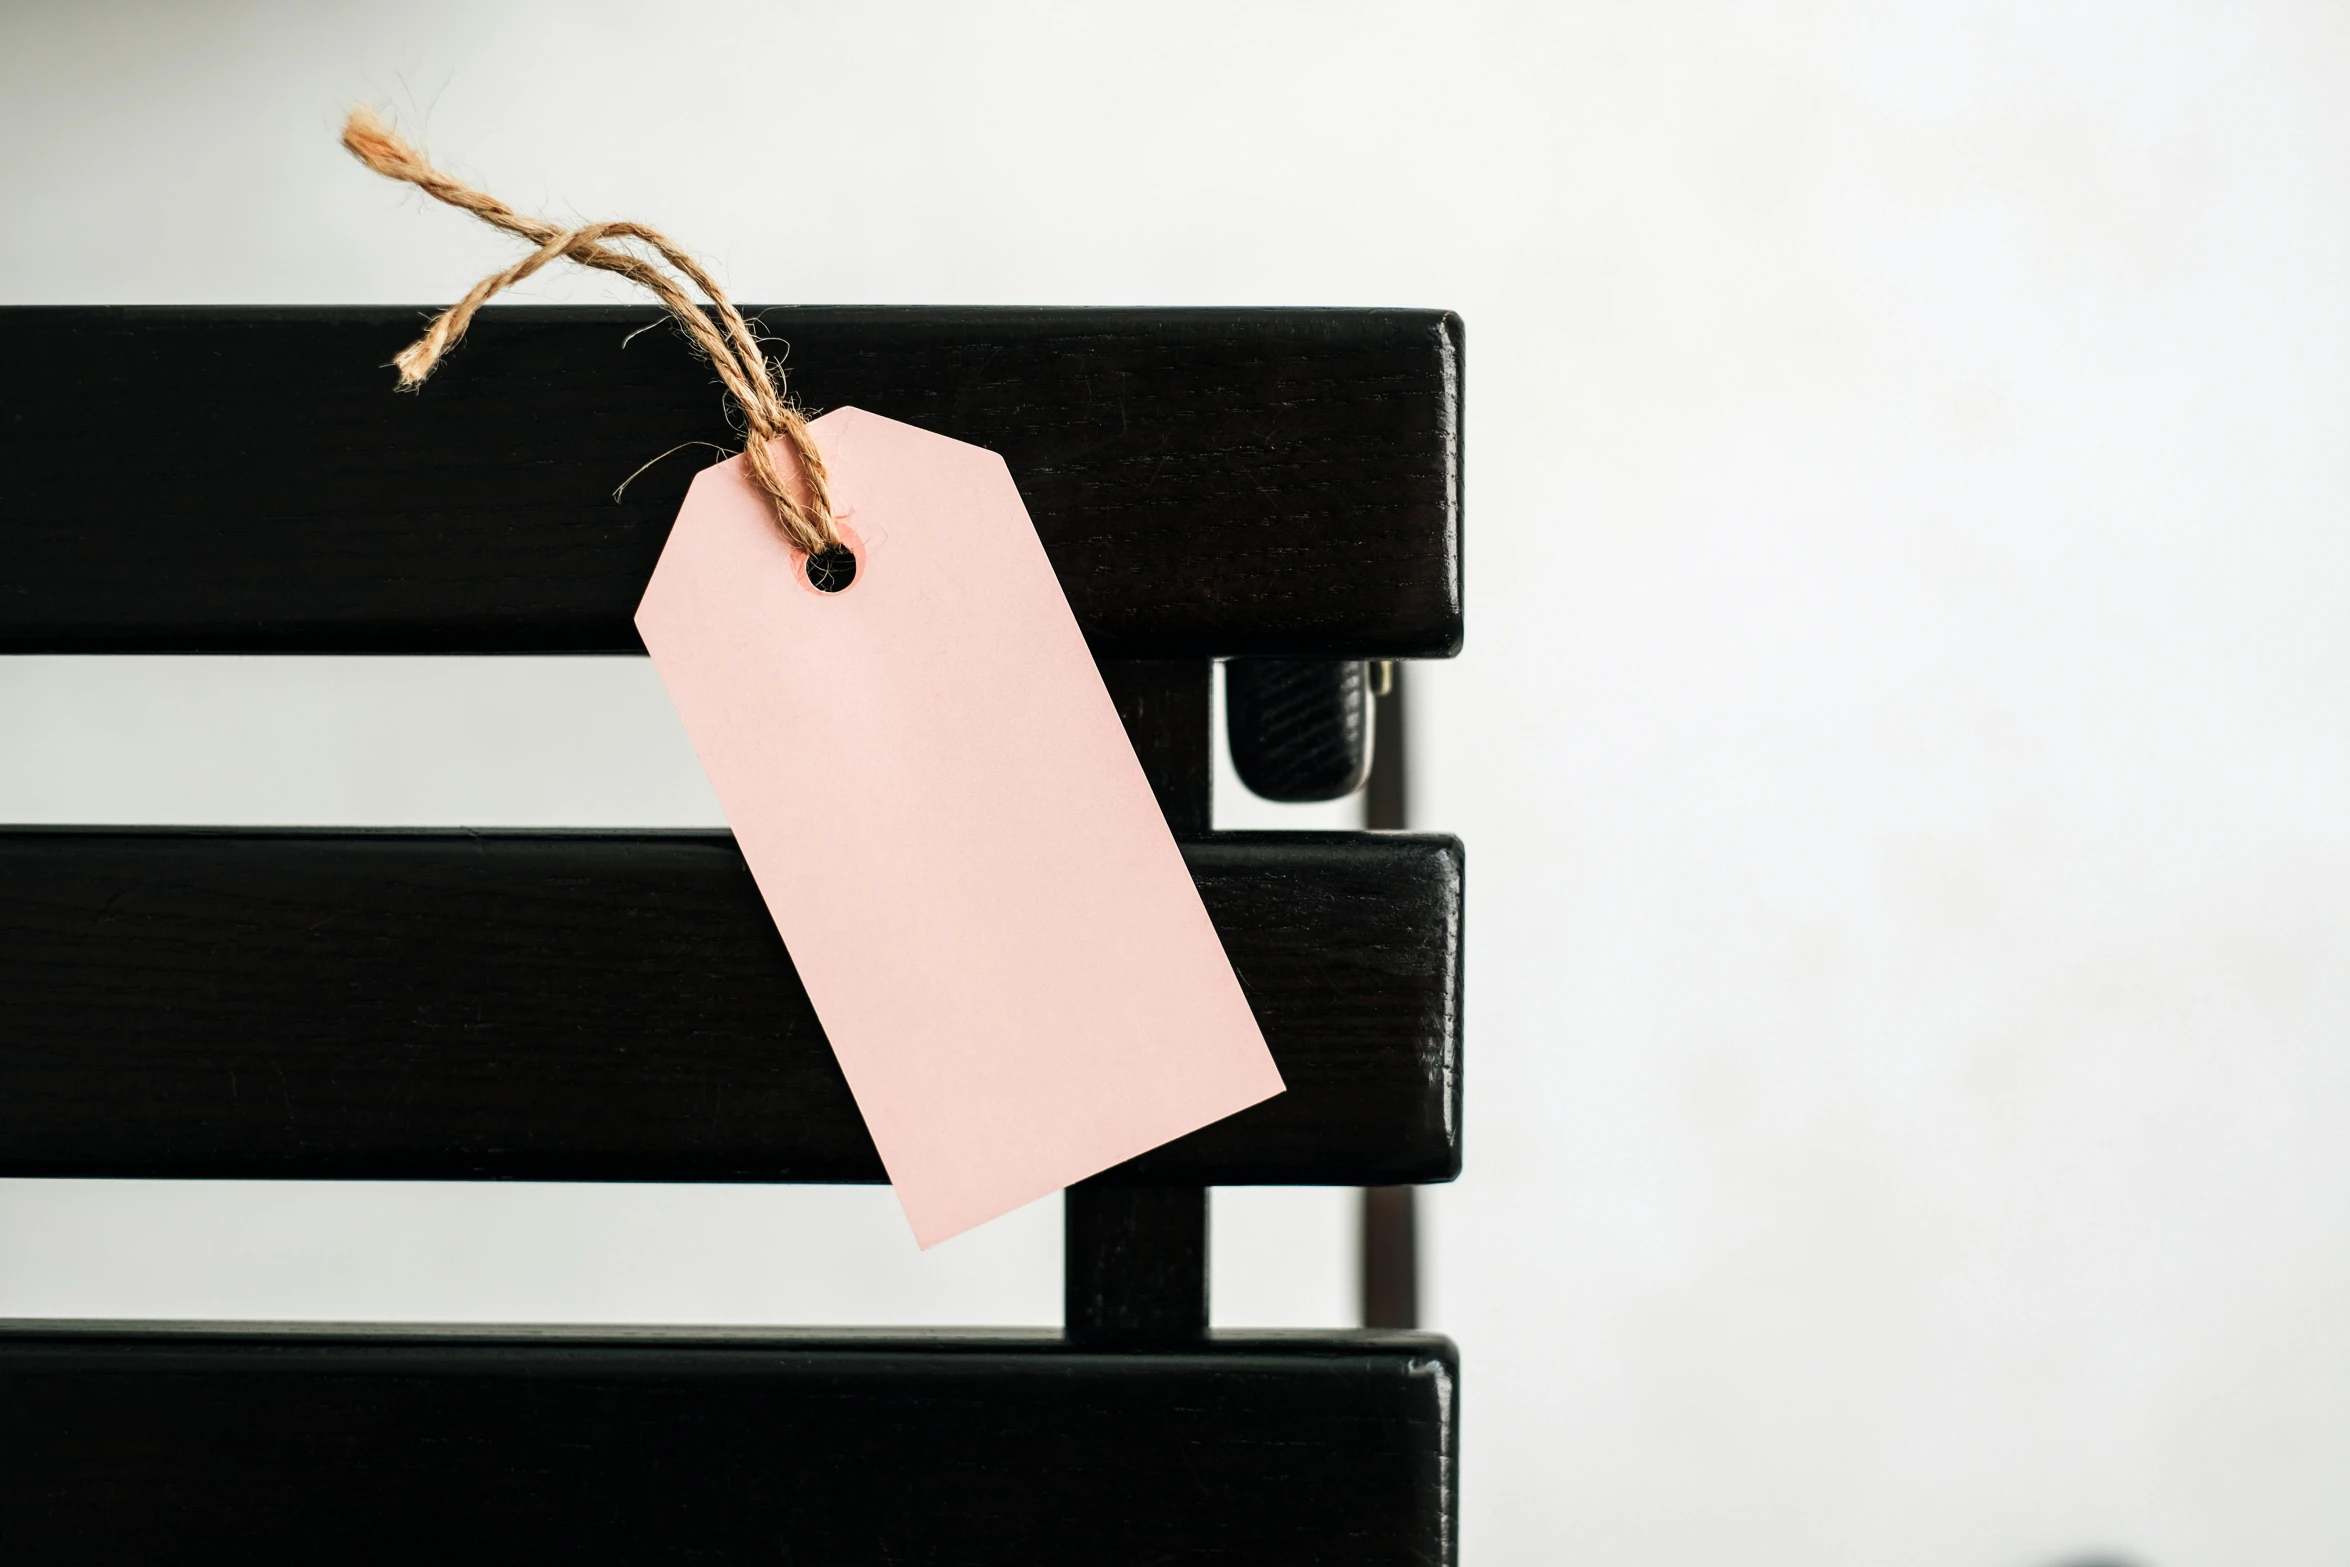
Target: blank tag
[{"x": 948, "y": 823}]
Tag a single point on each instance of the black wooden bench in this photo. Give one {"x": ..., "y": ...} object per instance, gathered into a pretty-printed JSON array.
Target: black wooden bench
[{"x": 581, "y": 1006}]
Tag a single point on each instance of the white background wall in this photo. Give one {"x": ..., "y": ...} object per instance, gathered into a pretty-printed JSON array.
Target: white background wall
[{"x": 1902, "y": 743}]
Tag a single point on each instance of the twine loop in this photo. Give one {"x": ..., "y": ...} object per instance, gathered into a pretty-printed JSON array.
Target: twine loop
[{"x": 731, "y": 347}]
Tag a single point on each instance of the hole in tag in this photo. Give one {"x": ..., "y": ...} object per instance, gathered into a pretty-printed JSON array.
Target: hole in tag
[{"x": 832, "y": 568}]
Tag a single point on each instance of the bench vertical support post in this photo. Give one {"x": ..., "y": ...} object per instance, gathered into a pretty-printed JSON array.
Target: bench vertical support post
[
  {"x": 1136, "y": 1263},
  {"x": 1136, "y": 1257},
  {"x": 1390, "y": 1240}
]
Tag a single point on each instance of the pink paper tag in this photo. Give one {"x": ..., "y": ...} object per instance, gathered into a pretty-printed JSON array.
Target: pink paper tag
[{"x": 946, "y": 819}]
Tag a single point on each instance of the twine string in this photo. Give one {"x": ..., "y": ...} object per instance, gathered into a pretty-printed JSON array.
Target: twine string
[{"x": 731, "y": 347}]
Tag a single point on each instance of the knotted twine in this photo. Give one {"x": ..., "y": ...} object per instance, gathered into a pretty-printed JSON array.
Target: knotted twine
[{"x": 756, "y": 386}]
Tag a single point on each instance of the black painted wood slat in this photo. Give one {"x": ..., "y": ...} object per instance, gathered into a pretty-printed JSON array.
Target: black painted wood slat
[
  {"x": 1207, "y": 482},
  {"x": 618, "y": 1006},
  {"x": 953, "y": 1450}
]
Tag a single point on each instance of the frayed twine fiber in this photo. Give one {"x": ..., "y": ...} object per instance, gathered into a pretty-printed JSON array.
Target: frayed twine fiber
[{"x": 735, "y": 352}]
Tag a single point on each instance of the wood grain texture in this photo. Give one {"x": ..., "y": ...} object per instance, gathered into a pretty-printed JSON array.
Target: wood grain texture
[
  {"x": 617, "y": 1006},
  {"x": 1207, "y": 482},
  {"x": 955, "y": 1451}
]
